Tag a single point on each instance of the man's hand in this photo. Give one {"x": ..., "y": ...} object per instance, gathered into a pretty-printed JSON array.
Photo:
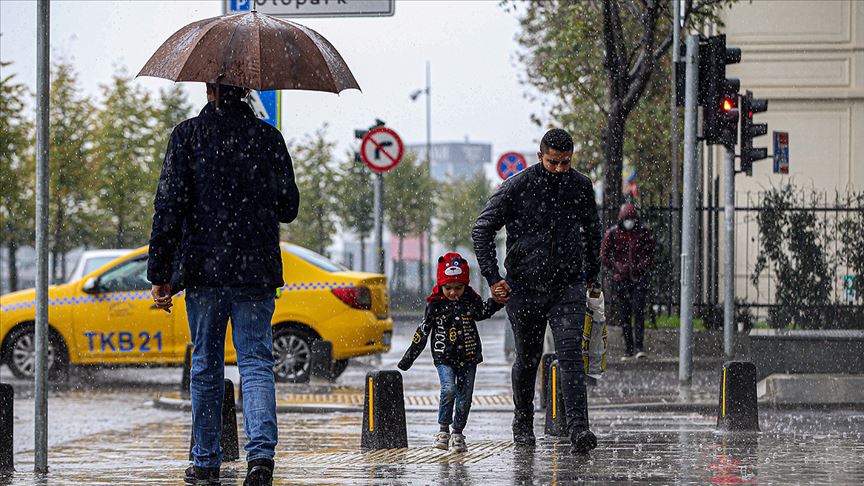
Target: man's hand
[
  {"x": 162, "y": 296},
  {"x": 501, "y": 292}
]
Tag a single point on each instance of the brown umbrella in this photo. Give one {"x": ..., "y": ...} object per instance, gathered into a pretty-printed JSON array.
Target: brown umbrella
[{"x": 251, "y": 50}]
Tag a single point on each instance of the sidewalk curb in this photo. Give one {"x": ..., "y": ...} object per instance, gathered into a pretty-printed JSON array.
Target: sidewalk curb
[{"x": 703, "y": 408}]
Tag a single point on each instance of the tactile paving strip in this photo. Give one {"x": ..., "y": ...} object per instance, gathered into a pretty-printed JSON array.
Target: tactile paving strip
[
  {"x": 477, "y": 451},
  {"x": 410, "y": 400}
]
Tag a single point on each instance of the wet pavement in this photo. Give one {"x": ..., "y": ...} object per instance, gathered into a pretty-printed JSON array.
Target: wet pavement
[{"x": 103, "y": 429}]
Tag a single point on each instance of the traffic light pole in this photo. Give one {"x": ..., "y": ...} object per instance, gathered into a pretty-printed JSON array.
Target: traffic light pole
[
  {"x": 729, "y": 253},
  {"x": 688, "y": 218},
  {"x": 379, "y": 222}
]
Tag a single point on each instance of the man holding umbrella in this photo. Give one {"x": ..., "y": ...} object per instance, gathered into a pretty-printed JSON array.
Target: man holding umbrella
[
  {"x": 227, "y": 182},
  {"x": 216, "y": 232}
]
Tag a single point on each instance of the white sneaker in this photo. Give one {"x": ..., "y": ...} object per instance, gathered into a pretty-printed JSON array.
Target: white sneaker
[
  {"x": 594, "y": 376},
  {"x": 442, "y": 440},
  {"x": 627, "y": 357},
  {"x": 641, "y": 354},
  {"x": 458, "y": 444}
]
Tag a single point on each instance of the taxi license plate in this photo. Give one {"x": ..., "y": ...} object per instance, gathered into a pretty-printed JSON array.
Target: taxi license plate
[{"x": 387, "y": 338}]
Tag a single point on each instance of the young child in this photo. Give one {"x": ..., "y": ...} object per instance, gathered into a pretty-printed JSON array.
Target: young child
[{"x": 451, "y": 311}]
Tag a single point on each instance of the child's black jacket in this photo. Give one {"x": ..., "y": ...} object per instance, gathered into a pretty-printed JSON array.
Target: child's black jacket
[{"x": 450, "y": 323}]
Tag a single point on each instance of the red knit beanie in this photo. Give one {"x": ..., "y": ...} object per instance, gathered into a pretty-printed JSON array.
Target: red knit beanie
[{"x": 452, "y": 268}]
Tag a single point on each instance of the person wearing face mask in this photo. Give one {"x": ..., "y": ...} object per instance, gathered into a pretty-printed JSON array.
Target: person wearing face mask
[
  {"x": 627, "y": 251},
  {"x": 553, "y": 253}
]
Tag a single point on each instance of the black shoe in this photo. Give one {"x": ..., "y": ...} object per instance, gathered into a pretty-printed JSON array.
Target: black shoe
[
  {"x": 523, "y": 430},
  {"x": 259, "y": 473},
  {"x": 583, "y": 442},
  {"x": 202, "y": 476}
]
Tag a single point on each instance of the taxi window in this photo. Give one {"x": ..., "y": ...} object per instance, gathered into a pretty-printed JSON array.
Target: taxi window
[
  {"x": 94, "y": 263},
  {"x": 319, "y": 261},
  {"x": 128, "y": 276}
]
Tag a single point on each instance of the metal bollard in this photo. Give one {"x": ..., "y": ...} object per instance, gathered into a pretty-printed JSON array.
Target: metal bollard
[
  {"x": 738, "y": 409},
  {"x": 321, "y": 361},
  {"x": 229, "y": 441},
  {"x": 556, "y": 421},
  {"x": 187, "y": 372},
  {"x": 384, "y": 412},
  {"x": 545, "y": 362},
  {"x": 7, "y": 398}
]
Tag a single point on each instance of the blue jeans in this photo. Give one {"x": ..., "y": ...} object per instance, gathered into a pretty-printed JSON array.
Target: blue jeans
[
  {"x": 457, "y": 389},
  {"x": 250, "y": 310}
]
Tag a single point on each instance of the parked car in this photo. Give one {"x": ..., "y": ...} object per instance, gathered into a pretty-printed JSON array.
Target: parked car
[{"x": 107, "y": 318}]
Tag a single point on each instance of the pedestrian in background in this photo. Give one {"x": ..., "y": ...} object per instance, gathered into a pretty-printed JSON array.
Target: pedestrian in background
[
  {"x": 627, "y": 252},
  {"x": 553, "y": 254},
  {"x": 451, "y": 311},
  {"x": 226, "y": 184}
]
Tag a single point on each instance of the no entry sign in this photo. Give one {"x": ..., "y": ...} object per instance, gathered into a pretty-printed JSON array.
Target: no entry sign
[
  {"x": 511, "y": 164},
  {"x": 381, "y": 149}
]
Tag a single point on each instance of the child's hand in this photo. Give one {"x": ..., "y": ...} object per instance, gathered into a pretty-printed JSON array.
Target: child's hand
[
  {"x": 501, "y": 292},
  {"x": 403, "y": 365}
]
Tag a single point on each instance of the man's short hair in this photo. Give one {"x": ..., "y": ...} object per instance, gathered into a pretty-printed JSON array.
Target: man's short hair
[
  {"x": 557, "y": 139},
  {"x": 228, "y": 92}
]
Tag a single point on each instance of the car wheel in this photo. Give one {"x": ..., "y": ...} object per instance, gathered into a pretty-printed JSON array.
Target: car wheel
[
  {"x": 338, "y": 368},
  {"x": 292, "y": 354},
  {"x": 21, "y": 354}
]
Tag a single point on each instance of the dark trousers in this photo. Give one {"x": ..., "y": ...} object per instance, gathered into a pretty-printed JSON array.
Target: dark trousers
[
  {"x": 564, "y": 310},
  {"x": 631, "y": 307}
]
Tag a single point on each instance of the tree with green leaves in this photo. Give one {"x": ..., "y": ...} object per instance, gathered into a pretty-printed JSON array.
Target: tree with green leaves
[
  {"x": 604, "y": 64},
  {"x": 355, "y": 199},
  {"x": 459, "y": 202},
  {"x": 16, "y": 173},
  {"x": 71, "y": 198},
  {"x": 127, "y": 169},
  {"x": 315, "y": 175},
  {"x": 408, "y": 205}
]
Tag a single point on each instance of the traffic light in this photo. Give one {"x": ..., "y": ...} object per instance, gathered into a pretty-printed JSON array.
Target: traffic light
[
  {"x": 718, "y": 94},
  {"x": 749, "y": 154}
]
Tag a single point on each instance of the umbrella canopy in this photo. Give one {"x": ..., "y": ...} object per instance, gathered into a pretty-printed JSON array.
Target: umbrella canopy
[{"x": 254, "y": 51}]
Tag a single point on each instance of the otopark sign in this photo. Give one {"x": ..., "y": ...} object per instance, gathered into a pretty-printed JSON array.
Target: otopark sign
[
  {"x": 381, "y": 149},
  {"x": 315, "y": 8},
  {"x": 511, "y": 164}
]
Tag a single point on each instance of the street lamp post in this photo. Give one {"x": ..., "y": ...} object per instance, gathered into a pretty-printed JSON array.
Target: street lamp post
[{"x": 414, "y": 95}]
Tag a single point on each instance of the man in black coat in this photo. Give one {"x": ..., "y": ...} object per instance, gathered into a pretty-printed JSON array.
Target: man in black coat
[
  {"x": 227, "y": 182},
  {"x": 553, "y": 245}
]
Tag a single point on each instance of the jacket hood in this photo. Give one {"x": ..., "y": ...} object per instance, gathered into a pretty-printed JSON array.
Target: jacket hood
[{"x": 628, "y": 211}]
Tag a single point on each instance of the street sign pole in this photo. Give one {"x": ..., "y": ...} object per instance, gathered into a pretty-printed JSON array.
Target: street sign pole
[
  {"x": 379, "y": 222},
  {"x": 688, "y": 219},
  {"x": 381, "y": 150},
  {"x": 43, "y": 57}
]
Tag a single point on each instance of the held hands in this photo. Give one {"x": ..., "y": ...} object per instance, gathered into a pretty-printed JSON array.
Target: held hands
[
  {"x": 162, "y": 297},
  {"x": 501, "y": 292}
]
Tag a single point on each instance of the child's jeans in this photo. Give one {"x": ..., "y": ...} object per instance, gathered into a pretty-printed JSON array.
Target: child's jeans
[{"x": 457, "y": 388}]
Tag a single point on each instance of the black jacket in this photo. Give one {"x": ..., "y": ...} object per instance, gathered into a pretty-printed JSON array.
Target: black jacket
[
  {"x": 455, "y": 341},
  {"x": 226, "y": 183},
  {"x": 553, "y": 230}
]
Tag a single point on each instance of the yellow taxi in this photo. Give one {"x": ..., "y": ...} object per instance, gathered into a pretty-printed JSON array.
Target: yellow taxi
[{"x": 108, "y": 318}]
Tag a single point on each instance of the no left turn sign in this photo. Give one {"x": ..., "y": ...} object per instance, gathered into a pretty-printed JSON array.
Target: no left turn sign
[{"x": 381, "y": 149}]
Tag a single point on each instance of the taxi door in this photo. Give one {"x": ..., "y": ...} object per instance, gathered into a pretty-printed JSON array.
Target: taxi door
[{"x": 118, "y": 323}]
